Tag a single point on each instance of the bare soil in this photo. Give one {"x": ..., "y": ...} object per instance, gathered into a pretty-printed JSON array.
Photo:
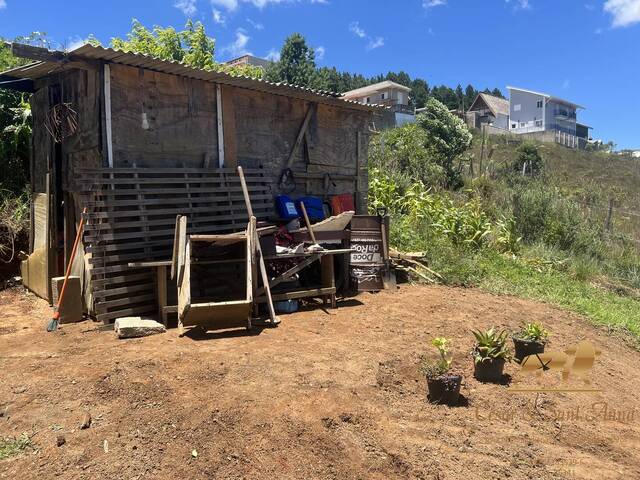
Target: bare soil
[{"x": 329, "y": 394}]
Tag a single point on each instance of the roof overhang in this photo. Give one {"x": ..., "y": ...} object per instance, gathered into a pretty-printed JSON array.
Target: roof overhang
[
  {"x": 548, "y": 97},
  {"x": 376, "y": 87},
  {"x": 86, "y": 56}
]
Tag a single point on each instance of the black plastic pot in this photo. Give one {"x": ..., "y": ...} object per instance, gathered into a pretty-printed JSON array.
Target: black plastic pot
[
  {"x": 444, "y": 390},
  {"x": 523, "y": 348},
  {"x": 489, "y": 370}
]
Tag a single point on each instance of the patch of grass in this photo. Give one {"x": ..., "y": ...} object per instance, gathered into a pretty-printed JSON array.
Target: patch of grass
[
  {"x": 10, "y": 447},
  {"x": 505, "y": 275}
]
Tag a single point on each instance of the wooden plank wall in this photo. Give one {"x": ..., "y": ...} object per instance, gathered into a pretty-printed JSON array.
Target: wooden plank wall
[
  {"x": 132, "y": 213},
  {"x": 161, "y": 120}
]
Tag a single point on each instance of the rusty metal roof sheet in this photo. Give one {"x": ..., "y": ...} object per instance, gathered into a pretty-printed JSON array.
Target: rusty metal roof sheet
[{"x": 41, "y": 69}]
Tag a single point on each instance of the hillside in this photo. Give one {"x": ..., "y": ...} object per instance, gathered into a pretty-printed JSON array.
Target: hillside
[{"x": 590, "y": 178}]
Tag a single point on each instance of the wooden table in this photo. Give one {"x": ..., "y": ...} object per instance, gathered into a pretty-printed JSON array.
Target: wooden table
[{"x": 327, "y": 289}]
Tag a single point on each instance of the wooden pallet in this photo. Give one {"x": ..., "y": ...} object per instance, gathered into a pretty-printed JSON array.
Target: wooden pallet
[{"x": 131, "y": 218}]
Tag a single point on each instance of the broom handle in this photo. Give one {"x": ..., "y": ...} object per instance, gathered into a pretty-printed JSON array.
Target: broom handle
[
  {"x": 306, "y": 219},
  {"x": 73, "y": 256}
]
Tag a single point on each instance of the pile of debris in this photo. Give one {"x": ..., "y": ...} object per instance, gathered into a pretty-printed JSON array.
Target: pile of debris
[{"x": 414, "y": 263}]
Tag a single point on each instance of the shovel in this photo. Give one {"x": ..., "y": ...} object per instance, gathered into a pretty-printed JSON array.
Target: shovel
[{"x": 388, "y": 278}]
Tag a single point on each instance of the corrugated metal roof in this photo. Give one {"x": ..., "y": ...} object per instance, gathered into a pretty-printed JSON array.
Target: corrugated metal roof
[{"x": 37, "y": 70}]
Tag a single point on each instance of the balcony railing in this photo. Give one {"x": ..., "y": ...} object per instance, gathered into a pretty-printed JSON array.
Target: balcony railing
[
  {"x": 398, "y": 108},
  {"x": 559, "y": 113}
]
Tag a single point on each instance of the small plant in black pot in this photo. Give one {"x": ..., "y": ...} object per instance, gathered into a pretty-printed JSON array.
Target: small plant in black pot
[
  {"x": 530, "y": 340},
  {"x": 443, "y": 386},
  {"x": 490, "y": 354}
]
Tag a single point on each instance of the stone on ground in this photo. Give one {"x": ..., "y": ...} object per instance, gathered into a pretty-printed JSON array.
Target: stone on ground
[{"x": 132, "y": 327}]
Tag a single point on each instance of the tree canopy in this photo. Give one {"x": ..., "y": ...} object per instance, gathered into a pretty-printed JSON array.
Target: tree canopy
[
  {"x": 191, "y": 46},
  {"x": 297, "y": 62},
  {"x": 297, "y": 65}
]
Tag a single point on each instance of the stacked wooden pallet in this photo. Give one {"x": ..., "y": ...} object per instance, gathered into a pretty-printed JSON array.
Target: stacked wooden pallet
[{"x": 131, "y": 218}]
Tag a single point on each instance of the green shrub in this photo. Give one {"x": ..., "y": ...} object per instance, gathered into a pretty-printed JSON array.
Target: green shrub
[{"x": 528, "y": 159}]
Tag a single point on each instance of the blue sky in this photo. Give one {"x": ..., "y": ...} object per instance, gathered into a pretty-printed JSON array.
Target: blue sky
[{"x": 587, "y": 51}]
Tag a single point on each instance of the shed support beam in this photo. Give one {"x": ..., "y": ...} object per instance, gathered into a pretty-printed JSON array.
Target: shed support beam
[
  {"x": 220, "y": 126},
  {"x": 107, "y": 113},
  {"x": 301, "y": 134}
]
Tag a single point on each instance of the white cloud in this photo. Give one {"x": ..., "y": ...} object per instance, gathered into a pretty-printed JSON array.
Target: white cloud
[
  {"x": 320, "y": 51},
  {"x": 433, "y": 3},
  {"x": 256, "y": 25},
  {"x": 238, "y": 47},
  {"x": 3, "y": 4},
  {"x": 520, "y": 4},
  {"x": 375, "y": 43},
  {"x": 624, "y": 12},
  {"x": 354, "y": 27},
  {"x": 187, "y": 7},
  {"x": 273, "y": 55},
  {"x": 231, "y": 5},
  {"x": 218, "y": 17},
  {"x": 358, "y": 31},
  {"x": 228, "y": 5}
]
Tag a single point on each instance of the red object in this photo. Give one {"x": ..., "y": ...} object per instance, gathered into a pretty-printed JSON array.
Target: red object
[{"x": 342, "y": 203}]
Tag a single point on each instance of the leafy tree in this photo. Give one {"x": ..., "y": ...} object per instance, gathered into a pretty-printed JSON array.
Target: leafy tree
[
  {"x": 470, "y": 95},
  {"x": 297, "y": 64},
  {"x": 402, "y": 151},
  {"x": 529, "y": 159},
  {"x": 419, "y": 92},
  {"x": 497, "y": 93},
  {"x": 15, "y": 123},
  {"x": 447, "y": 138},
  {"x": 191, "y": 46}
]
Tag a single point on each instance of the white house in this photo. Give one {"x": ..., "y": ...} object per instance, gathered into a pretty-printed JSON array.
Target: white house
[{"x": 388, "y": 93}]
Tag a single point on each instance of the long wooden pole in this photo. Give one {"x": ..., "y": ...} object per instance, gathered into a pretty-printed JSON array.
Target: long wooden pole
[
  {"x": 263, "y": 268},
  {"x": 306, "y": 219}
]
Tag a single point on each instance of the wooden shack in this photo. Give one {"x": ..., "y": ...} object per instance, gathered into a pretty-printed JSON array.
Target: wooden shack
[{"x": 139, "y": 140}]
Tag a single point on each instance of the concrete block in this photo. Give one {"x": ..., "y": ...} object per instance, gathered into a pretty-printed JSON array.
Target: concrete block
[
  {"x": 71, "y": 308},
  {"x": 132, "y": 327}
]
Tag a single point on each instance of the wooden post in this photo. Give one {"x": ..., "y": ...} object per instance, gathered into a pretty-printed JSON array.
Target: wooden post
[
  {"x": 263, "y": 267},
  {"x": 161, "y": 283},
  {"x": 107, "y": 113},
  {"x": 609, "y": 219},
  {"x": 484, "y": 139},
  {"x": 220, "y": 126}
]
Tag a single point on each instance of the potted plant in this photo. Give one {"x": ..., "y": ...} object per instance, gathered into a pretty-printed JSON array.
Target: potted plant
[
  {"x": 443, "y": 386},
  {"x": 530, "y": 340},
  {"x": 490, "y": 354}
]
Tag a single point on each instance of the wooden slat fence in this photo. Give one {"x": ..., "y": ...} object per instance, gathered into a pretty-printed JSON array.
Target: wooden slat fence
[{"x": 131, "y": 218}]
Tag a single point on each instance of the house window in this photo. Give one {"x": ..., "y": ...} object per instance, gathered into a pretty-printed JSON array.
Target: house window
[
  {"x": 382, "y": 96},
  {"x": 539, "y": 104},
  {"x": 368, "y": 99},
  {"x": 522, "y": 124},
  {"x": 538, "y": 123},
  {"x": 513, "y": 125},
  {"x": 517, "y": 107}
]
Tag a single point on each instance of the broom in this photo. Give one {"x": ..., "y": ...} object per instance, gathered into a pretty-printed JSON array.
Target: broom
[{"x": 53, "y": 323}]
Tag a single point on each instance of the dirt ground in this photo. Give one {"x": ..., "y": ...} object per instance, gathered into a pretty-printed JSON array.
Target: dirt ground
[{"x": 329, "y": 394}]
